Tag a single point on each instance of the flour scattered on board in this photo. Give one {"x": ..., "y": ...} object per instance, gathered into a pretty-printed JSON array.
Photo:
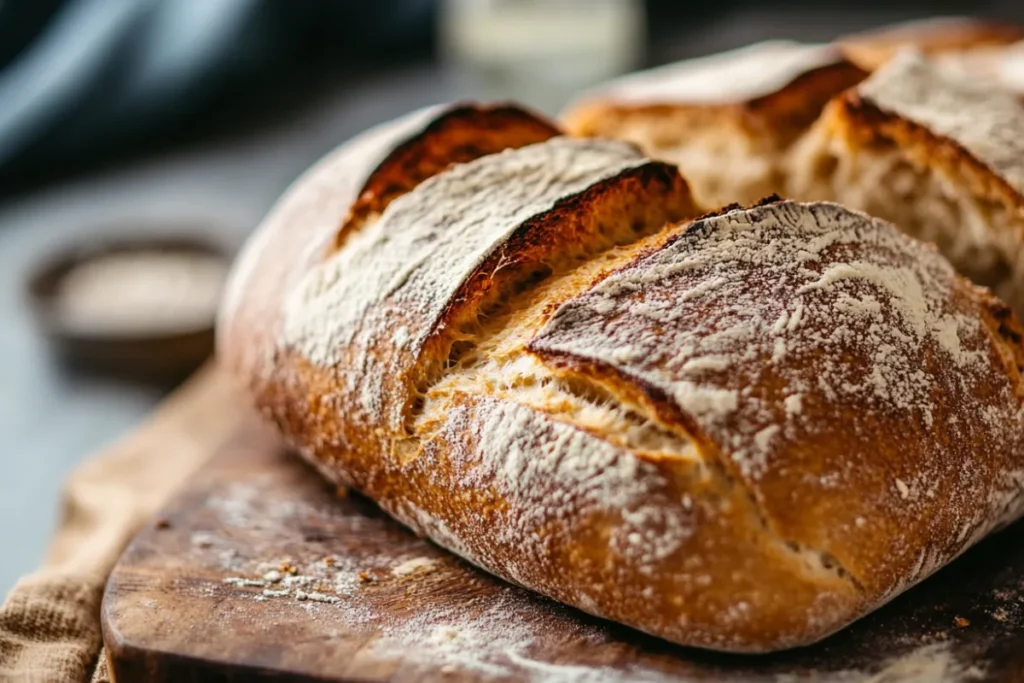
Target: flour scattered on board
[
  {"x": 500, "y": 635},
  {"x": 497, "y": 633},
  {"x": 933, "y": 662}
]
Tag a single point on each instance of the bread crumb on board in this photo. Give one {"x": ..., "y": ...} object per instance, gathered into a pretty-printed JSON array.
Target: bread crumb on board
[
  {"x": 417, "y": 565},
  {"x": 326, "y": 579}
]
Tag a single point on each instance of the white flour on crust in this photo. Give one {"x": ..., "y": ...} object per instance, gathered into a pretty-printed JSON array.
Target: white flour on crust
[
  {"x": 399, "y": 273},
  {"x": 841, "y": 310},
  {"x": 729, "y": 77}
]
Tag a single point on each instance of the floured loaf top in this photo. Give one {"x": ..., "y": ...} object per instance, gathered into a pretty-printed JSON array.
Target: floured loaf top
[
  {"x": 393, "y": 280},
  {"x": 730, "y": 77},
  {"x": 1002, "y": 66},
  {"x": 739, "y": 431}
]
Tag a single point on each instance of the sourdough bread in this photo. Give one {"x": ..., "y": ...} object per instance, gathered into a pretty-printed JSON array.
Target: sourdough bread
[{"x": 740, "y": 431}]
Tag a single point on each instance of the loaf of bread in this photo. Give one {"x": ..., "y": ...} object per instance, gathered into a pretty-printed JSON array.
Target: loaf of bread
[
  {"x": 739, "y": 431},
  {"x": 943, "y": 37},
  {"x": 940, "y": 155},
  {"x": 730, "y": 121},
  {"x": 998, "y": 66},
  {"x": 727, "y": 120}
]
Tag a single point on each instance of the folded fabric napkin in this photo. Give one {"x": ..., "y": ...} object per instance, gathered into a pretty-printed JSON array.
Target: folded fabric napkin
[{"x": 50, "y": 621}]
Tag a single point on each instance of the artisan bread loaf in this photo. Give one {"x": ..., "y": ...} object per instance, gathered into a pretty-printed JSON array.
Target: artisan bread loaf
[
  {"x": 729, "y": 121},
  {"x": 739, "y": 431},
  {"x": 940, "y": 155},
  {"x": 1000, "y": 66},
  {"x": 725, "y": 120},
  {"x": 352, "y": 185},
  {"x": 939, "y": 37}
]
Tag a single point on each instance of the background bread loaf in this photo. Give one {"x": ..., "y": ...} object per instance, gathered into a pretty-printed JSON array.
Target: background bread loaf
[
  {"x": 929, "y": 143},
  {"x": 738, "y": 432},
  {"x": 936, "y": 153},
  {"x": 941, "y": 37},
  {"x": 732, "y": 121},
  {"x": 726, "y": 120}
]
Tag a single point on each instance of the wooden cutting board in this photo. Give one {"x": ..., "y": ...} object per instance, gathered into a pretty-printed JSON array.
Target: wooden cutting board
[{"x": 259, "y": 571}]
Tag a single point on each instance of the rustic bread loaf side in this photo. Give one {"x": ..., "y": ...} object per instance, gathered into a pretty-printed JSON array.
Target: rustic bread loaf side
[
  {"x": 738, "y": 432},
  {"x": 940, "y": 155},
  {"x": 352, "y": 184},
  {"x": 937, "y": 37},
  {"x": 725, "y": 120}
]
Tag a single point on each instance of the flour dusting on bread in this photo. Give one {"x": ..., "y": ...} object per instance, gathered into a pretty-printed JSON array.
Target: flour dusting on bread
[
  {"x": 823, "y": 311},
  {"x": 729, "y": 77},
  {"x": 739, "y": 432},
  {"x": 784, "y": 263},
  {"x": 398, "y": 273}
]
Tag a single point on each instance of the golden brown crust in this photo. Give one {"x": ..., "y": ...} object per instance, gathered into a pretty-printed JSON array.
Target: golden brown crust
[
  {"x": 863, "y": 122},
  {"x": 463, "y": 134},
  {"x": 500, "y": 359},
  {"x": 725, "y": 120},
  {"x": 781, "y": 113},
  {"x": 916, "y": 135},
  {"x": 872, "y": 49},
  {"x": 348, "y": 185},
  {"x": 869, "y": 465}
]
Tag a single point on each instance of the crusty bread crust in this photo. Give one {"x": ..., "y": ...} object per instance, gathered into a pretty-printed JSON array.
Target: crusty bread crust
[
  {"x": 870, "y": 50},
  {"x": 954, "y": 138},
  {"x": 725, "y": 120},
  {"x": 350, "y": 184},
  {"x": 740, "y": 432},
  {"x": 764, "y": 85}
]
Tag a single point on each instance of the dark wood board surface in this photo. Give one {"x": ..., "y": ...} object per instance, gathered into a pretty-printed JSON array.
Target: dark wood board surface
[{"x": 260, "y": 571}]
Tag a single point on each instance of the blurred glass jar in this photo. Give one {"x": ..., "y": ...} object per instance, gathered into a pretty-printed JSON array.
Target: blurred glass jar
[{"x": 541, "y": 52}]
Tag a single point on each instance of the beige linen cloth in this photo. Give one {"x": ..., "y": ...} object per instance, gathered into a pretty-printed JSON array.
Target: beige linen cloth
[{"x": 50, "y": 621}]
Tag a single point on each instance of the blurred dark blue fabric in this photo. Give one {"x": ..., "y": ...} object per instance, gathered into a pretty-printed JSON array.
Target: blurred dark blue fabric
[
  {"x": 84, "y": 82},
  {"x": 87, "y": 78}
]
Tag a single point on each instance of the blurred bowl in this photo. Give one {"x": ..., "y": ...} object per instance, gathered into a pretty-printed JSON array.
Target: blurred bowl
[{"x": 161, "y": 354}]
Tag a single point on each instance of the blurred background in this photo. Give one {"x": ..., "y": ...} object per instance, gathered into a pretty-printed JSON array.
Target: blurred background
[{"x": 142, "y": 140}]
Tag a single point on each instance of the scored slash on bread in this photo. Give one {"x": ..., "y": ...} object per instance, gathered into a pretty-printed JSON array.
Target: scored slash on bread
[
  {"x": 939, "y": 155},
  {"x": 346, "y": 187},
  {"x": 462, "y": 134},
  {"x": 739, "y": 432}
]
